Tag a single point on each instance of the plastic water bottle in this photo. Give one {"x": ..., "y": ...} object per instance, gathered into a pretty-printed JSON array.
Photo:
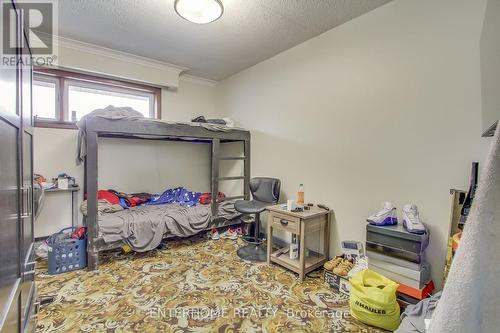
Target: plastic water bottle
[
  {"x": 300, "y": 195},
  {"x": 294, "y": 248}
]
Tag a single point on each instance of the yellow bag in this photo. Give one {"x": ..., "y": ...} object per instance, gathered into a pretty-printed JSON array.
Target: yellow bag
[{"x": 373, "y": 300}]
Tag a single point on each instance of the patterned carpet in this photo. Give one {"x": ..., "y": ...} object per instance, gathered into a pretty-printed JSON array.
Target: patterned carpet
[{"x": 194, "y": 285}]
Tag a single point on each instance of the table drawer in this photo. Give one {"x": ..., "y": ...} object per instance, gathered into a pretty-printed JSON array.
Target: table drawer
[{"x": 286, "y": 223}]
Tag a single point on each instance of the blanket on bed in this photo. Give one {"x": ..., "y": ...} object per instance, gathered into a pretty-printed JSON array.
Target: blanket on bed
[
  {"x": 143, "y": 227},
  {"x": 109, "y": 112}
]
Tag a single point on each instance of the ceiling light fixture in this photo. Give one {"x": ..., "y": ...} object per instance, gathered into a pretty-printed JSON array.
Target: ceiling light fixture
[{"x": 199, "y": 11}]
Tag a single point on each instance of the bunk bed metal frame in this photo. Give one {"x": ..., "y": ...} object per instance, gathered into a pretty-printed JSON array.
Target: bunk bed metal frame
[{"x": 148, "y": 129}]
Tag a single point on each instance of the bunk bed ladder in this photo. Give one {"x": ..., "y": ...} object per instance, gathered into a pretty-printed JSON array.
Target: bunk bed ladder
[
  {"x": 246, "y": 171},
  {"x": 215, "y": 177}
]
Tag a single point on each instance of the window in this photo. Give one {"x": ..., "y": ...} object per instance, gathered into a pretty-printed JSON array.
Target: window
[
  {"x": 61, "y": 98},
  {"x": 45, "y": 96}
]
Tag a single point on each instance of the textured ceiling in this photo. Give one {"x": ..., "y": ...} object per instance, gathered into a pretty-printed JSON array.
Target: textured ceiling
[{"x": 249, "y": 31}]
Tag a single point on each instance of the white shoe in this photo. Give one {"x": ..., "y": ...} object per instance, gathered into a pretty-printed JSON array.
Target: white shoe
[
  {"x": 411, "y": 220},
  {"x": 213, "y": 234},
  {"x": 387, "y": 216},
  {"x": 230, "y": 234}
]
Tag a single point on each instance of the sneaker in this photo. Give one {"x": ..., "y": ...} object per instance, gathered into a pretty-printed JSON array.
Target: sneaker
[
  {"x": 230, "y": 234},
  {"x": 387, "y": 216},
  {"x": 343, "y": 268},
  {"x": 331, "y": 264},
  {"x": 411, "y": 220},
  {"x": 239, "y": 231},
  {"x": 213, "y": 234}
]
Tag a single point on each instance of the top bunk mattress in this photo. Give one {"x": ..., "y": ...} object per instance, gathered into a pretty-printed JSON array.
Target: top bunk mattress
[
  {"x": 143, "y": 227},
  {"x": 126, "y": 122}
]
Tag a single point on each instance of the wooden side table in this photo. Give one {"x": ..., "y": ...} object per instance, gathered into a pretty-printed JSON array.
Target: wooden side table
[{"x": 300, "y": 224}]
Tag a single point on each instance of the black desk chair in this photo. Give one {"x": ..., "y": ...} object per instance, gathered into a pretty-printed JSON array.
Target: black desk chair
[{"x": 265, "y": 192}]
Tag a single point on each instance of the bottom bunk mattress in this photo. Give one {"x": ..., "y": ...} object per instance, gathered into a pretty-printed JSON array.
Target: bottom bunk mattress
[{"x": 143, "y": 227}]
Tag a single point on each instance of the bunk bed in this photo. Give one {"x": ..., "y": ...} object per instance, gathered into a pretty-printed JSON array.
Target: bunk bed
[{"x": 149, "y": 129}]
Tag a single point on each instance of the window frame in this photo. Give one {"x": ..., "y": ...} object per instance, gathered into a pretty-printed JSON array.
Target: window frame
[{"x": 65, "y": 78}]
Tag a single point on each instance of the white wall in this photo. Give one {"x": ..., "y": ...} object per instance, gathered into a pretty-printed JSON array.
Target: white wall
[
  {"x": 193, "y": 98},
  {"x": 79, "y": 56},
  {"x": 134, "y": 165},
  {"x": 490, "y": 64},
  {"x": 153, "y": 166},
  {"x": 383, "y": 108},
  {"x": 54, "y": 153}
]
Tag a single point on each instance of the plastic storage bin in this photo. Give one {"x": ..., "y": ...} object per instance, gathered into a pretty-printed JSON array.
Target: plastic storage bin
[{"x": 66, "y": 254}]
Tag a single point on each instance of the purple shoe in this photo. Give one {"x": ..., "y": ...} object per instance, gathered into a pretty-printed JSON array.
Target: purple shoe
[{"x": 386, "y": 216}]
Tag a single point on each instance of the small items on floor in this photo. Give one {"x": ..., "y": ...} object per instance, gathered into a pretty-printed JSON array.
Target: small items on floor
[
  {"x": 339, "y": 265},
  {"x": 42, "y": 249},
  {"x": 162, "y": 246},
  {"x": 344, "y": 267},
  {"x": 339, "y": 269},
  {"x": 232, "y": 233},
  {"x": 67, "y": 250},
  {"x": 180, "y": 285},
  {"x": 417, "y": 317},
  {"x": 213, "y": 234},
  {"x": 373, "y": 300},
  {"x": 126, "y": 248},
  {"x": 333, "y": 263},
  {"x": 372, "y": 297}
]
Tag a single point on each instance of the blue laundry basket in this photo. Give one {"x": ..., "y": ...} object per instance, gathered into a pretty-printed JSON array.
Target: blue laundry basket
[{"x": 66, "y": 254}]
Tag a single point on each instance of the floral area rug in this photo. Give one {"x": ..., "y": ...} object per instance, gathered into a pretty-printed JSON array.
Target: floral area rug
[{"x": 191, "y": 285}]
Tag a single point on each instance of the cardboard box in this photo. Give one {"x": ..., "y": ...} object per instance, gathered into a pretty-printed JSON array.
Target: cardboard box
[
  {"x": 337, "y": 282},
  {"x": 372, "y": 255},
  {"x": 395, "y": 236},
  {"x": 421, "y": 276},
  {"x": 399, "y": 278}
]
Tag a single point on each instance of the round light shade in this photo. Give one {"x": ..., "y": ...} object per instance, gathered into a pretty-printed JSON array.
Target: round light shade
[{"x": 199, "y": 11}]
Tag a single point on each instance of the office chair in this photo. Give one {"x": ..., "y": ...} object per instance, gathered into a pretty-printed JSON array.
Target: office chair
[{"x": 265, "y": 192}]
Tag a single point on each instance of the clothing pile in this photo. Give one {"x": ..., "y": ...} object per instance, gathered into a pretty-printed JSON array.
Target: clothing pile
[
  {"x": 123, "y": 199},
  {"x": 223, "y": 121},
  {"x": 206, "y": 198},
  {"x": 103, "y": 206},
  {"x": 110, "y": 201},
  {"x": 417, "y": 317},
  {"x": 179, "y": 195}
]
